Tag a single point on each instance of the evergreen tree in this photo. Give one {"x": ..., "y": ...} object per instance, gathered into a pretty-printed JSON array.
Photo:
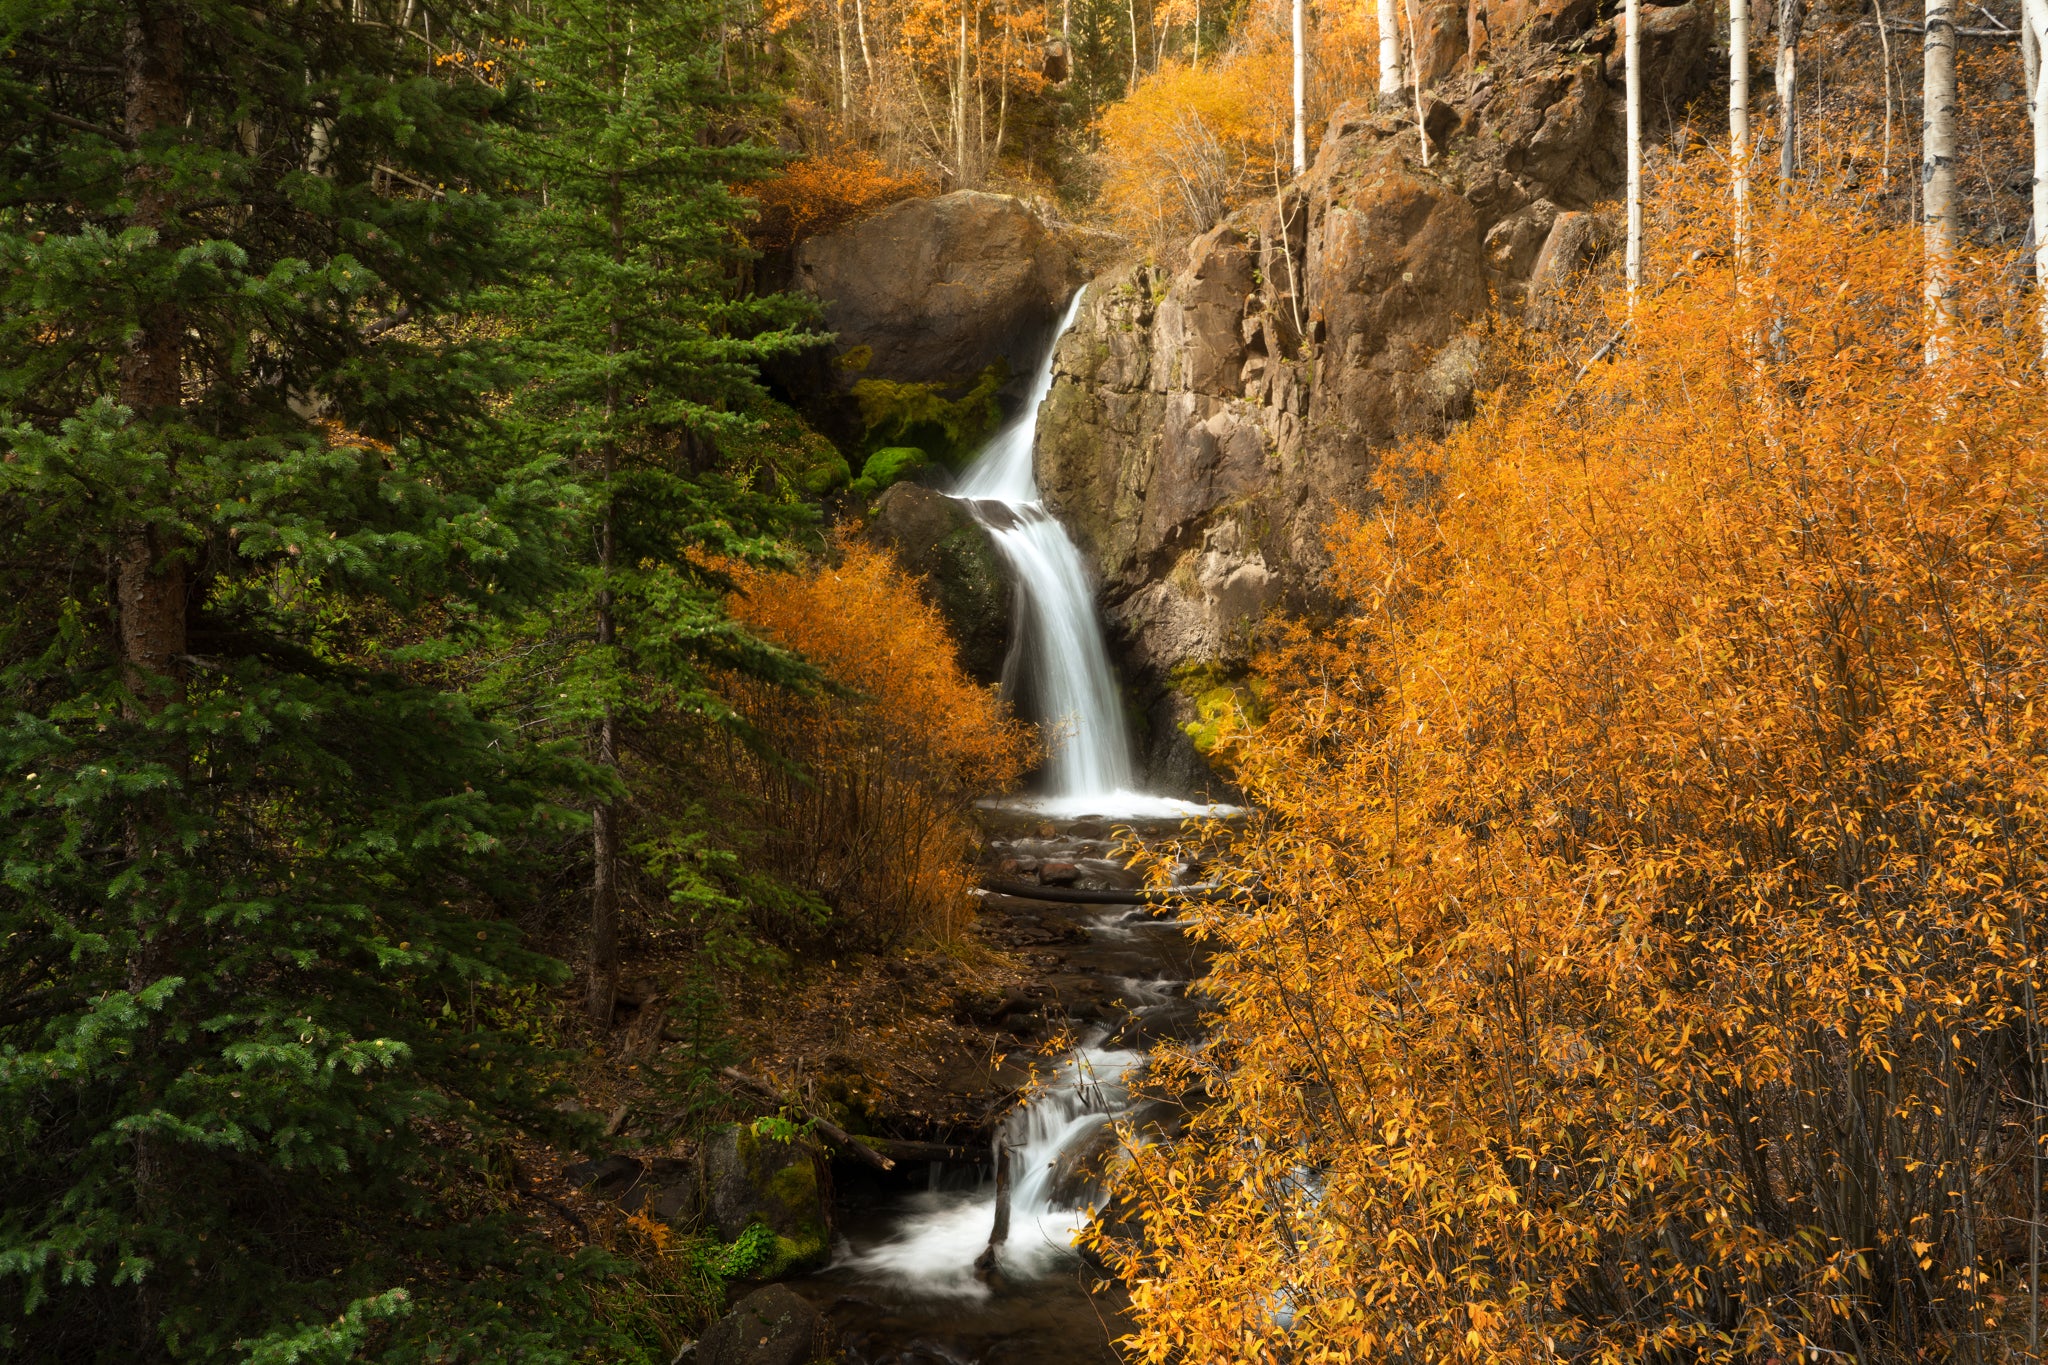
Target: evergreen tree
[
  {"x": 253, "y": 867},
  {"x": 646, "y": 352}
]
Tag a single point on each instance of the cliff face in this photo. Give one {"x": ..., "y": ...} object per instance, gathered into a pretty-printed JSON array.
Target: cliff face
[{"x": 1204, "y": 426}]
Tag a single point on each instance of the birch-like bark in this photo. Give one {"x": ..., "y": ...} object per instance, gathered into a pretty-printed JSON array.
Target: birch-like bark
[
  {"x": 1300, "y": 91},
  {"x": 1938, "y": 171},
  {"x": 845, "y": 81},
  {"x": 1391, "y": 77},
  {"x": 1738, "y": 120},
  {"x": 1791, "y": 22},
  {"x": 2034, "y": 47},
  {"x": 960, "y": 106},
  {"x": 1415, "y": 72},
  {"x": 1633, "y": 86}
]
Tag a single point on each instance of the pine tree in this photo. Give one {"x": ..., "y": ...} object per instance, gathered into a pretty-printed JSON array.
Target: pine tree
[
  {"x": 254, "y": 865},
  {"x": 648, "y": 354}
]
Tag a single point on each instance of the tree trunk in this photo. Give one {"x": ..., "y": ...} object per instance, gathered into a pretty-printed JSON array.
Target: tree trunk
[
  {"x": 2035, "y": 21},
  {"x": 149, "y": 571},
  {"x": 1791, "y": 21},
  {"x": 1414, "y": 73},
  {"x": 1738, "y": 119},
  {"x": 1300, "y": 93},
  {"x": 1391, "y": 80},
  {"x": 1633, "y": 84},
  {"x": 604, "y": 815},
  {"x": 1938, "y": 171}
]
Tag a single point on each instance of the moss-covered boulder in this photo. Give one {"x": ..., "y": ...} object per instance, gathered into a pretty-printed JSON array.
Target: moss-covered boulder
[
  {"x": 933, "y": 536},
  {"x": 756, "y": 1177}
]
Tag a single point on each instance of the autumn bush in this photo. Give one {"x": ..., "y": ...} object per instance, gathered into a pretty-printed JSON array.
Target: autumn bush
[
  {"x": 820, "y": 194},
  {"x": 862, "y": 790},
  {"x": 1645, "y": 962}
]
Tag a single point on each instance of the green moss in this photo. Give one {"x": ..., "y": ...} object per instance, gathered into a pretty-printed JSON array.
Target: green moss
[
  {"x": 1224, "y": 701},
  {"x": 822, "y": 478},
  {"x": 891, "y": 464}
]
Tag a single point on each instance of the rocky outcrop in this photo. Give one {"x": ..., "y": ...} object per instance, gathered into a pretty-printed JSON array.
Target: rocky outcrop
[
  {"x": 933, "y": 537},
  {"x": 1204, "y": 425},
  {"x": 938, "y": 289}
]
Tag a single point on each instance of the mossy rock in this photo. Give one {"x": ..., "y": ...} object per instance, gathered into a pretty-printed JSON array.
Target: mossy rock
[
  {"x": 887, "y": 466},
  {"x": 754, "y": 1178},
  {"x": 827, "y": 475}
]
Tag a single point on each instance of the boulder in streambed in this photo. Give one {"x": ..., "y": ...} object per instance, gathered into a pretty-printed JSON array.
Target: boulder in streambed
[
  {"x": 771, "y": 1326},
  {"x": 751, "y": 1178},
  {"x": 934, "y": 537},
  {"x": 938, "y": 289}
]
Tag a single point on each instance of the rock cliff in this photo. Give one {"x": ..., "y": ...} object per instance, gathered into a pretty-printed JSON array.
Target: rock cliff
[{"x": 1204, "y": 425}]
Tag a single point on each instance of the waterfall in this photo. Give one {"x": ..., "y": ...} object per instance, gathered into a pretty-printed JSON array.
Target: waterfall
[{"x": 1089, "y": 769}]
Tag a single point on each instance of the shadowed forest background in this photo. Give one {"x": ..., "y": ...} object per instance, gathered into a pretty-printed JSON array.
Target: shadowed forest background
[{"x": 458, "y": 713}]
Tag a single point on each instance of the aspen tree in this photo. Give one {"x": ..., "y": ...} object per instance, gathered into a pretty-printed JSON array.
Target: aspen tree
[
  {"x": 1937, "y": 170},
  {"x": 2035, "y": 40},
  {"x": 1391, "y": 79},
  {"x": 1300, "y": 85},
  {"x": 1632, "y": 50},
  {"x": 1738, "y": 118},
  {"x": 1791, "y": 20}
]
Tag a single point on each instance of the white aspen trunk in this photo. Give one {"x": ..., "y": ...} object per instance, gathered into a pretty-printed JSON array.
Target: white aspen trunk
[
  {"x": 1198, "y": 35},
  {"x": 1791, "y": 19},
  {"x": 1391, "y": 79},
  {"x": 1414, "y": 70},
  {"x": 1938, "y": 171},
  {"x": 2035, "y": 47},
  {"x": 1633, "y": 85},
  {"x": 867, "y": 61},
  {"x": 845, "y": 81},
  {"x": 1131, "y": 8},
  {"x": 960, "y": 106},
  {"x": 1738, "y": 120},
  {"x": 1884, "y": 43},
  {"x": 1066, "y": 26},
  {"x": 1300, "y": 92}
]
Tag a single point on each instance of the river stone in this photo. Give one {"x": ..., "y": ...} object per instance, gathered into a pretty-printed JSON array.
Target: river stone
[
  {"x": 771, "y": 1326},
  {"x": 752, "y": 1179},
  {"x": 934, "y": 537},
  {"x": 938, "y": 289}
]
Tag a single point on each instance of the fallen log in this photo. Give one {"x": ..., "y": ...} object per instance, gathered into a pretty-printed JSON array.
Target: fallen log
[
  {"x": 1072, "y": 895},
  {"x": 825, "y": 1128}
]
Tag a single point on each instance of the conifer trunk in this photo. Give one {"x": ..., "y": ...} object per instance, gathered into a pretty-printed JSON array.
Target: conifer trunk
[
  {"x": 604, "y": 840},
  {"x": 1938, "y": 170},
  {"x": 1390, "y": 52},
  {"x": 1738, "y": 118},
  {"x": 1300, "y": 90},
  {"x": 149, "y": 576},
  {"x": 1791, "y": 22}
]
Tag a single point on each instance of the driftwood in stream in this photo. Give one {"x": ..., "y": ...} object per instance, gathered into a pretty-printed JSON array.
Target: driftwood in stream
[
  {"x": 826, "y": 1129},
  {"x": 985, "y": 1265},
  {"x": 1068, "y": 895}
]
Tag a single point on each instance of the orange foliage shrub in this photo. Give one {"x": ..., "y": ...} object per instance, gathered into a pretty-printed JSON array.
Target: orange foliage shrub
[
  {"x": 870, "y": 809},
  {"x": 1653, "y": 857},
  {"x": 820, "y": 194}
]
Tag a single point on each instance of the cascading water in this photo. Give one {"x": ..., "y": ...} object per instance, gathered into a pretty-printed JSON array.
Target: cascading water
[
  {"x": 912, "y": 1285},
  {"x": 1088, "y": 771}
]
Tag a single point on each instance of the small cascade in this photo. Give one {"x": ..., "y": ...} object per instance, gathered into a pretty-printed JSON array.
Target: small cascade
[{"x": 1089, "y": 770}]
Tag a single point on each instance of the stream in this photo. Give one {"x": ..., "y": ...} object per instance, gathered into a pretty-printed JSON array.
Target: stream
[{"x": 903, "y": 1286}]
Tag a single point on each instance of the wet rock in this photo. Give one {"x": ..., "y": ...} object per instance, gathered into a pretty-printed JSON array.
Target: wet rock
[
  {"x": 1058, "y": 874},
  {"x": 749, "y": 1178},
  {"x": 771, "y": 1326},
  {"x": 606, "y": 1177},
  {"x": 937, "y": 289},
  {"x": 935, "y": 538}
]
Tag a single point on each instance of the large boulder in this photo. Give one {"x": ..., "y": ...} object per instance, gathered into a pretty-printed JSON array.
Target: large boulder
[
  {"x": 938, "y": 289},
  {"x": 771, "y": 1326},
  {"x": 934, "y": 537},
  {"x": 750, "y": 1178}
]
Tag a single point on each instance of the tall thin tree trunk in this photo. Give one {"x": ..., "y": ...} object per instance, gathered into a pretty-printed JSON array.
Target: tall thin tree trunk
[
  {"x": 960, "y": 103},
  {"x": 1633, "y": 85},
  {"x": 845, "y": 75},
  {"x": 1791, "y": 22},
  {"x": 867, "y": 62},
  {"x": 604, "y": 814},
  {"x": 1738, "y": 120},
  {"x": 2034, "y": 19},
  {"x": 1414, "y": 73},
  {"x": 1131, "y": 8},
  {"x": 1390, "y": 51},
  {"x": 149, "y": 571},
  {"x": 1300, "y": 94},
  {"x": 1938, "y": 171}
]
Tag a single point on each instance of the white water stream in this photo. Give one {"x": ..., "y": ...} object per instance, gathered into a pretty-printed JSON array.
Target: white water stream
[
  {"x": 1088, "y": 771},
  {"x": 1056, "y": 1141}
]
